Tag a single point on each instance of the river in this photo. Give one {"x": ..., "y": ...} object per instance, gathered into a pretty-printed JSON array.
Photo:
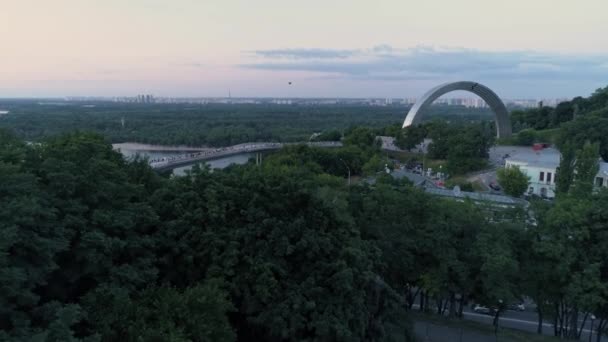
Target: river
[
  {"x": 130, "y": 150},
  {"x": 220, "y": 163}
]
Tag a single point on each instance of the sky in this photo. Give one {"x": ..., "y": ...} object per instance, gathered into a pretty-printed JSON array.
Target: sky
[{"x": 326, "y": 48}]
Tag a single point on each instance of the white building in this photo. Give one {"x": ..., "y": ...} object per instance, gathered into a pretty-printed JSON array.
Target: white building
[{"x": 541, "y": 165}]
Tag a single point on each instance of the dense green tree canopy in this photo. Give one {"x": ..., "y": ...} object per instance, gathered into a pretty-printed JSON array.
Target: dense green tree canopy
[
  {"x": 464, "y": 146},
  {"x": 97, "y": 248},
  {"x": 564, "y": 112},
  {"x": 94, "y": 247},
  {"x": 513, "y": 181},
  {"x": 207, "y": 124}
]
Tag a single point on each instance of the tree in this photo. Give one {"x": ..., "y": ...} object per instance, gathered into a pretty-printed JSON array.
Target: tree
[
  {"x": 586, "y": 167},
  {"x": 394, "y": 217},
  {"x": 410, "y": 136},
  {"x": 376, "y": 164},
  {"x": 450, "y": 236},
  {"x": 565, "y": 170},
  {"x": 360, "y": 137},
  {"x": 568, "y": 236},
  {"x": 591, "y": 127},
  {"x": 497, "y": 277},
  {"x": 513, "y": 181},
  {"x": 465, "y": 147},
  {"x": 439, "y": 132},
  {"x": 526, "y": 137},
  {"x": 32, "y": 235},
  {"x": 198, "y": 313},
  {"x": 333, "y": 135},
  {"x": 293, "y": 261}
]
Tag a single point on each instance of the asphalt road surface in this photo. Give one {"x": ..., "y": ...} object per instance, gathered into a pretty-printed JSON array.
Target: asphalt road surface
[{"x": 525, "y": 321}]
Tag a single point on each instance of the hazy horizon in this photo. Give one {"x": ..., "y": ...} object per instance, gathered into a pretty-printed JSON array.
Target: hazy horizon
[{"x": 345, "y": 49}]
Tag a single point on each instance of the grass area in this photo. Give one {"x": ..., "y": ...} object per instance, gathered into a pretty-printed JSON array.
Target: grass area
[{"x": 503, "y": 333}]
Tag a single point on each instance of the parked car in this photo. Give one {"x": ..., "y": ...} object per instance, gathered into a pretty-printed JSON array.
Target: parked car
[
  {"x": 494, "y": 186},
  {"x": 517, "y": 307},
  {"x": 483, "y": 310}
]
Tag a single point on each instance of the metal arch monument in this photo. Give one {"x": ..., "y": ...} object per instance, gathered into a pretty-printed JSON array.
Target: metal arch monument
[{"x": 503, "y": 123}]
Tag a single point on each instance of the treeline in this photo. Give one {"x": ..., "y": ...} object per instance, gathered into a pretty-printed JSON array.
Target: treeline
[
  {"x": 571, "y": 122},
  {"x": 210, "y": 124},
  {"x": 549, "y": 117}
]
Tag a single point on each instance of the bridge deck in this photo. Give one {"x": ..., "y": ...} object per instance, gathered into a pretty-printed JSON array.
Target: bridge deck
[{"x": 170, "y": 163}]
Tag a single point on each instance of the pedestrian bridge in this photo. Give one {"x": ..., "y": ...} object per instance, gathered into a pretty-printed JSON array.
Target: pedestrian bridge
[{"x": 170, "y": 163}]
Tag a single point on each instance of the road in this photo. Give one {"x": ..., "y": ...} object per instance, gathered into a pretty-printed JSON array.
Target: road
[
  {"x": 485, "y": 178},
  {"x": 496, "y": 159},
  {"x": 523, "y": 320}
]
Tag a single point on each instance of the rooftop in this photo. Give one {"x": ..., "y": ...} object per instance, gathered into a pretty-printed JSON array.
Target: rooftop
[
  {"x": 603, "y": 169},
  {"x": 547, "y": 157},
  {"x": 416, "y": 179}
]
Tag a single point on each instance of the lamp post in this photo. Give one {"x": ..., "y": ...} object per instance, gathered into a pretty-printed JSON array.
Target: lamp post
[{"x": 348, "y": 168}]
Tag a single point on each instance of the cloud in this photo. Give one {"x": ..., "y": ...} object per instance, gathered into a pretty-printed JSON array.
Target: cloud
[
  {"x": 384, "y": 62},
  {"x": 188, "y": 64},
  {"x": 305, "y": 53}
]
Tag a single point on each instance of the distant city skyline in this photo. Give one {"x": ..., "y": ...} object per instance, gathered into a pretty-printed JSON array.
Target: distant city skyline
[
  {"x": 471, "y": 101},
  {"x": 346, "y": 49}
]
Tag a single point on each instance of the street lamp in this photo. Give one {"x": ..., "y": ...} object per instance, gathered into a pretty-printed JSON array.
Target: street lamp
[{"x": 348, "y": 168}]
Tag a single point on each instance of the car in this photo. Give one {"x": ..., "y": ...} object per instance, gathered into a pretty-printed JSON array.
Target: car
[
  {"x": 484, "y": 310},
  {"x": 494, "y": 186},
  {"x": 517, "y": 307}
]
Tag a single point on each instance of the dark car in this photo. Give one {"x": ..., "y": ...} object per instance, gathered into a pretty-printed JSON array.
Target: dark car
[{"x": 494, "y": 186}]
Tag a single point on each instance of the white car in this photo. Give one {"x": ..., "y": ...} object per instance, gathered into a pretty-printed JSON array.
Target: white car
[
  {"x": 483, "y": 310},
  {"x": 517, "y": 307}
]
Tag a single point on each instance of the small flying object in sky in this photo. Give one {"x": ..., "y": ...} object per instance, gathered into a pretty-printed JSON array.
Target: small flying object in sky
[{"x": 289, "y": 83}]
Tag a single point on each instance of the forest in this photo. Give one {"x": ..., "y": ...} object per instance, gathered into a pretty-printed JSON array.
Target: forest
[
  {"x": 569, "y": 123},
  {"x": 97, "y": 248},
  {"x": 94, "y": 247},
  {"x": 209, "y": 124}
]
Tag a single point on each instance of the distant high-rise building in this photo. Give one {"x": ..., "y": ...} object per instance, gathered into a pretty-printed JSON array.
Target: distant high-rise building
[{"x": 145, "y": 98}]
